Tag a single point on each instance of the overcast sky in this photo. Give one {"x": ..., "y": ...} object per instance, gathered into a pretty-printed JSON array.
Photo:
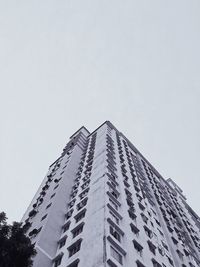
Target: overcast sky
[{"x": 68, "y": 63}]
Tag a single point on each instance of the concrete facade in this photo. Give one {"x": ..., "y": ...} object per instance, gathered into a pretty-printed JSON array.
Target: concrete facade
[{"x": 103, "y": 204}]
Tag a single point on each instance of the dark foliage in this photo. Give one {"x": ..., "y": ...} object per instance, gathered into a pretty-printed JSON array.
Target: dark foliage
[{"x": 16, "y": 249}]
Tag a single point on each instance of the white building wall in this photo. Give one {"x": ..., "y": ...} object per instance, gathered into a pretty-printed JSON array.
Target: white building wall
[{"x": 133, "y": 175}]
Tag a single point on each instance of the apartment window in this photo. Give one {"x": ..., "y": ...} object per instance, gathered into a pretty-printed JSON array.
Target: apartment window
[
  {"x": 186, "y": 252},
  {"x": 43, "y": 217},
  {"x": 84, "y": 193},
  {"x": 155, "y": 263},
  {"x": 85, "y": 178},
  {"x": 48, "y": 206},
  {"x": 27, "y": 225},
  {"x": 130, "y": 203},
  {"x": 170, "y": 229},
  {"x": 126, "y": 184},
  {"x": 139, "y": 264},
  {"x": 77, "y": 230},
  {"x": 34, "y": 232},
  {"x": 57, "y": 180},
  {"x": 74, "y": 188},
  {"x": 74, "y": 263},
  {"x": 62, "y": 242},
  {"x": 157, "y": 221},
  {"x": 57, "y": 261},
  {"x": 112, "y": 176},
  {"x": 73, "y": 194},
  {"x": 66, "y": 226},
  {"x": 137, "y": 188},
  {"x": 174, "y": 240},
  {"x": 180, "y": 254},
  {"x": 114, "y": 217},
  {"x": 52, "y": 195},
  {"x": 56, "y": 186},
  {"x": 142, "y": 207},
  {"x": 134, "y": 229},
  {"x": 153, "y": 211},
  {"x": 148, "y": 232},
  {"x": 132, "y": 215},
  {"x": 113, "y": 204},
  {"x": 114, "y": 232},
  {"x": 74, "y": 248},
  {"x": 152, "y": 224},
  {"x": 165, "y": 246},
  {"x": 152, "y": 247},
  {"x": 144, "y": 218},
  {"x": 114, "y": 185},
  {"x": 80, "y": 215},
  {"x": 81, "y": 204},
  {"x": 170, "y": 261},
  {"x": 116, "y": 255},
  {"x": 43, "y": 193},
  {"x": 128, "y": 193},
  {"x": 69, "y": 214},
  {"x": 115, "y": 194},
  {"x": 161, "y": 250},
  {"x": 138, "y": 247},
  {"x": 161, "y": 233},
  {"x": 85, "y": 184},
  {"x": 71, "y": 203}
]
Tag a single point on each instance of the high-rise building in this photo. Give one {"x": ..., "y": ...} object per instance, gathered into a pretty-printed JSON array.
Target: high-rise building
[{"x": 103, "y": 204}]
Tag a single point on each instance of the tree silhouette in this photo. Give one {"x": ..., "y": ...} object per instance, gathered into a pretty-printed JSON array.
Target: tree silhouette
[{"x": 16, "y": 249}]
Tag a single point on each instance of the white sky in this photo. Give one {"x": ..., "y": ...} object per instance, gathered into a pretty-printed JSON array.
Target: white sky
[{"x": 68, "y": 63}]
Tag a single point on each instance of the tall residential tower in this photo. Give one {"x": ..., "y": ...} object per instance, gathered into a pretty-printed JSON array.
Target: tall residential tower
[{"x": 102, "y": 204}]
